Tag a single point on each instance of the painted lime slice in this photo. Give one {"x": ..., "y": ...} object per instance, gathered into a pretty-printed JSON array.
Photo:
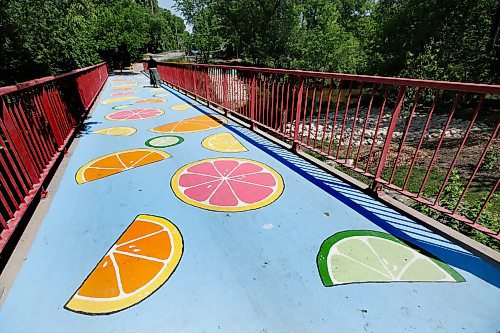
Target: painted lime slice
[
  {"x": 120, "y": 107},
  {"x": 358, "y": 256},
  {"x": 164, "y": 141}
]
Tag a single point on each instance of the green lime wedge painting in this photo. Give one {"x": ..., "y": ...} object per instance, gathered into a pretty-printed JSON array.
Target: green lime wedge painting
[{"x": 361, "y": 256}]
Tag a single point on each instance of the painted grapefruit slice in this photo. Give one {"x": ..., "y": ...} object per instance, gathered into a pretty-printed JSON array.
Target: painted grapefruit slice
[
  {"x": 195, "y": 124},
  {"x": 150, "y": 100},
  {"x": 227, "y": 184},
  {"x": 114, "y": 163},
  {"x": 134, "y": 114},
  {"x": 123, "y": 93},
  {"x": 117, "y": 131},
  {"x": 139, "y": 263},
  {"x": 223, "y": 143},
  {"x": 358, "y": 256},
  {"x": 164, "y": 141},
  {"x": 182, "y": 107},
  {"x": 117, "y": 99}
]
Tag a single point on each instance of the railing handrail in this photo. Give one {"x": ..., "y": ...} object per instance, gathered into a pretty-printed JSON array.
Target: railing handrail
[
  {"x": 31, "y": 83},
  {"x": 435, "y": 84}
]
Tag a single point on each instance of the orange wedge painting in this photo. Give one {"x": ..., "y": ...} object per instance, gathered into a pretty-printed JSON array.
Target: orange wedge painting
[
  {"x": 195, "y": 124},
  {"x": 117, "y": 162},
  {"x": 139, "y": 263}
]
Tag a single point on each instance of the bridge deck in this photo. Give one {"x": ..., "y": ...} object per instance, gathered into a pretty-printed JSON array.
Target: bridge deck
[{"x": 250, "y": 259}]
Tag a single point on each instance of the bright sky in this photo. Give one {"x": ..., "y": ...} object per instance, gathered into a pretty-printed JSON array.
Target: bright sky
[{"x": 169, "y": 4}]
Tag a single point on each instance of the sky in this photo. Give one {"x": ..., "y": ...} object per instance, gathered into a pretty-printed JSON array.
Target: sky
[{"x": 169, "y": 4}]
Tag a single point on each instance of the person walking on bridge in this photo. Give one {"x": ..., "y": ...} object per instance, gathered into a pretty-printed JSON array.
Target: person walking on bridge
[{"x": 154, "y": 76}]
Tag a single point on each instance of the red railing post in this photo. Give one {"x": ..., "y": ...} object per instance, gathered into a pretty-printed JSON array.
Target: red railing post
[
  {"x": 296, "y": 142},
  {"x": 252, "y": 102},
  {"x": 224, "y": 91},
  {"x": 207, "y": 87},
  {"x": 194, "y": 84},
  {"x": 388, "y": 138}
]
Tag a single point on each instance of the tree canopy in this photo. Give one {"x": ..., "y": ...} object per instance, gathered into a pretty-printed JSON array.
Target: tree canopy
[
  {"x": 39, "y": 38},
  {"x": 434, "y": 39}
]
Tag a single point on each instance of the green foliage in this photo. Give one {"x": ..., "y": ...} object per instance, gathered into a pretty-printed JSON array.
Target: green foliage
[
  {"x": 39, "y": 38},
  {"x": 490, "y": 160}
]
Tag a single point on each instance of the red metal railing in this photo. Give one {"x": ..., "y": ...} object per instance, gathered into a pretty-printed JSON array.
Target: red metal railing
[
  {"x": 38, "y": 118},
  {"x": 403, "y": 134}
]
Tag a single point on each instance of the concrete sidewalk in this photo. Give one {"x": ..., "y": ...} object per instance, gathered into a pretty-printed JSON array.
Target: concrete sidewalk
[{"x": 171, "y": 218}]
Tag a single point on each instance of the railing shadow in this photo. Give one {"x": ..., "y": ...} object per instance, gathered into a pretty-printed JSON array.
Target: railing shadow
[{"x": 384, "y": 217}]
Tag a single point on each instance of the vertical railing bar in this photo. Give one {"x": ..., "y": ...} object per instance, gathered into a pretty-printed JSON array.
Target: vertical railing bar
[
  {"x": 367, "y": 118},
  {"x": 304, "y": 113},
  {"x": 344, "y": 120},
  {"x": 311, "y": 115},
  {"x": 327, "y": 119},
  {"x": 337, "y": 106},
  {"x": 354, "y": 122},
  {"x": 319, "y": 113},
  {"x": 417, "y": 150},
  {"x": 478, "y": 165},
  {"x": 458, "y": 98},
  {"x": 403, "y": 138}
]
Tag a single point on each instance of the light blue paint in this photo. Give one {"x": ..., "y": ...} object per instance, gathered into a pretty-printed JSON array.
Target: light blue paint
[{"x": 237, "y": 274}]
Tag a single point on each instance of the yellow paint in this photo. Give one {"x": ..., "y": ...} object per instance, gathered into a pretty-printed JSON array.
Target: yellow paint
[
  {"x": 145, "y": 255},
  {"x": 182, "y": 107},
  {"x": 117, "y": 99},
  {"x": 118, "y": 131},
  {"x": 151, "y": 100},
  {"x": 117, "y": 162},
  {"x": 223, "y": 143}
]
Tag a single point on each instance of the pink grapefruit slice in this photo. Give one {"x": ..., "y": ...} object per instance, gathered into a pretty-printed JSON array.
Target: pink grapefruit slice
[
  {"x": 134, "y": 114},
  {"x": 227, "y": 184}
]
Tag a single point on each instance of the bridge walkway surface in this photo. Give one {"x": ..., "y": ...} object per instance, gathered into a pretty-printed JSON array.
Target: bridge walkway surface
[{"x": 171, "y": 218}]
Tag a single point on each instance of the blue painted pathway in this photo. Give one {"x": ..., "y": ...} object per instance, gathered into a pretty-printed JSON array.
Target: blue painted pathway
[{"x": 252, "y": 271}]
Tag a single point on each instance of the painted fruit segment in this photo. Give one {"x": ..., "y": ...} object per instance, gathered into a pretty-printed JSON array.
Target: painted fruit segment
[
  {"x": 139, "y": 263},
  {"x": 123, "y": 93},
  {"x": 117, "y": 99},
  {"x": 223, "y": 143},
  {"x": 114, "y": 163},
  {"x": 134, "y": 114},
  {"x": 358, "y": 256},
  {"x": 227, "y": 184},
  {"x": 164, "y": 141},
  {"x": 150, "y": 100},
  {"x": 194, "y": 124},
  {"x": 117, "y": 131},
  {"x": 182, "y": 107}
]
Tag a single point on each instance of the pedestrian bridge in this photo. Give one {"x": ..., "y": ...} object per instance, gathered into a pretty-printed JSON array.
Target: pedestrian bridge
[{"x": 167, "y": 215}]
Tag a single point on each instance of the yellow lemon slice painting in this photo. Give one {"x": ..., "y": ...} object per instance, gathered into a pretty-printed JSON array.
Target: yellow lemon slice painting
[
  {"x": 114, "y": 163},
  {"x": 223, "y": 143},
  {"x": 138, "y": 264},
  {"x": 117, "y": 99},
  {"x": 360, "y": 256},
  {"x": 182, "y": 107},
  {"x": 117, "y": 131}
]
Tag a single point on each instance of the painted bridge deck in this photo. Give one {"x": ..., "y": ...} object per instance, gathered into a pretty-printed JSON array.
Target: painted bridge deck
[{"x": 254, "y": 270}]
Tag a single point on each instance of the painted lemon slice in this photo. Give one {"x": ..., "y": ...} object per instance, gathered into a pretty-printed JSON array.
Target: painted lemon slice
[
  {"x": 121, "y": 107},
  {"x": 134, "y": 114},
  {"x": 139, "y": 263},
  {"x": 118, "y": 131},
  {"x": 150, "y": 100},
  {"x": 195, "y": 124},
  {"x": 114, "y": 163},
  {"x": 359, "y": 256},
  {"x": 223, "y": 143},
  {"x": 227, "y": 184},
  {"x": 117, "y": 99},
  {"x": 164, "y": 141},
  {"x": 157, "y": 89},
  {"x": 161, "y": 95},
  {"x": 182, "y": 107},
  {"x": 123, "y": 93}
]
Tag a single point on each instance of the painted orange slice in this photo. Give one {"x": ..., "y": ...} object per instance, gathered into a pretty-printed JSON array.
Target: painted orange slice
[
  {"x": 151, "y": 100},
  {"x": 123, "y": 93},
  {"x": 227, "y": 184},
  {"x": 139, "y": 263},
  {"x": 114, "y": 163},
  {"x": 122, "y": 88},
  {"x": 134, "y": 114},
  {"x": 195, "y": 124}
]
